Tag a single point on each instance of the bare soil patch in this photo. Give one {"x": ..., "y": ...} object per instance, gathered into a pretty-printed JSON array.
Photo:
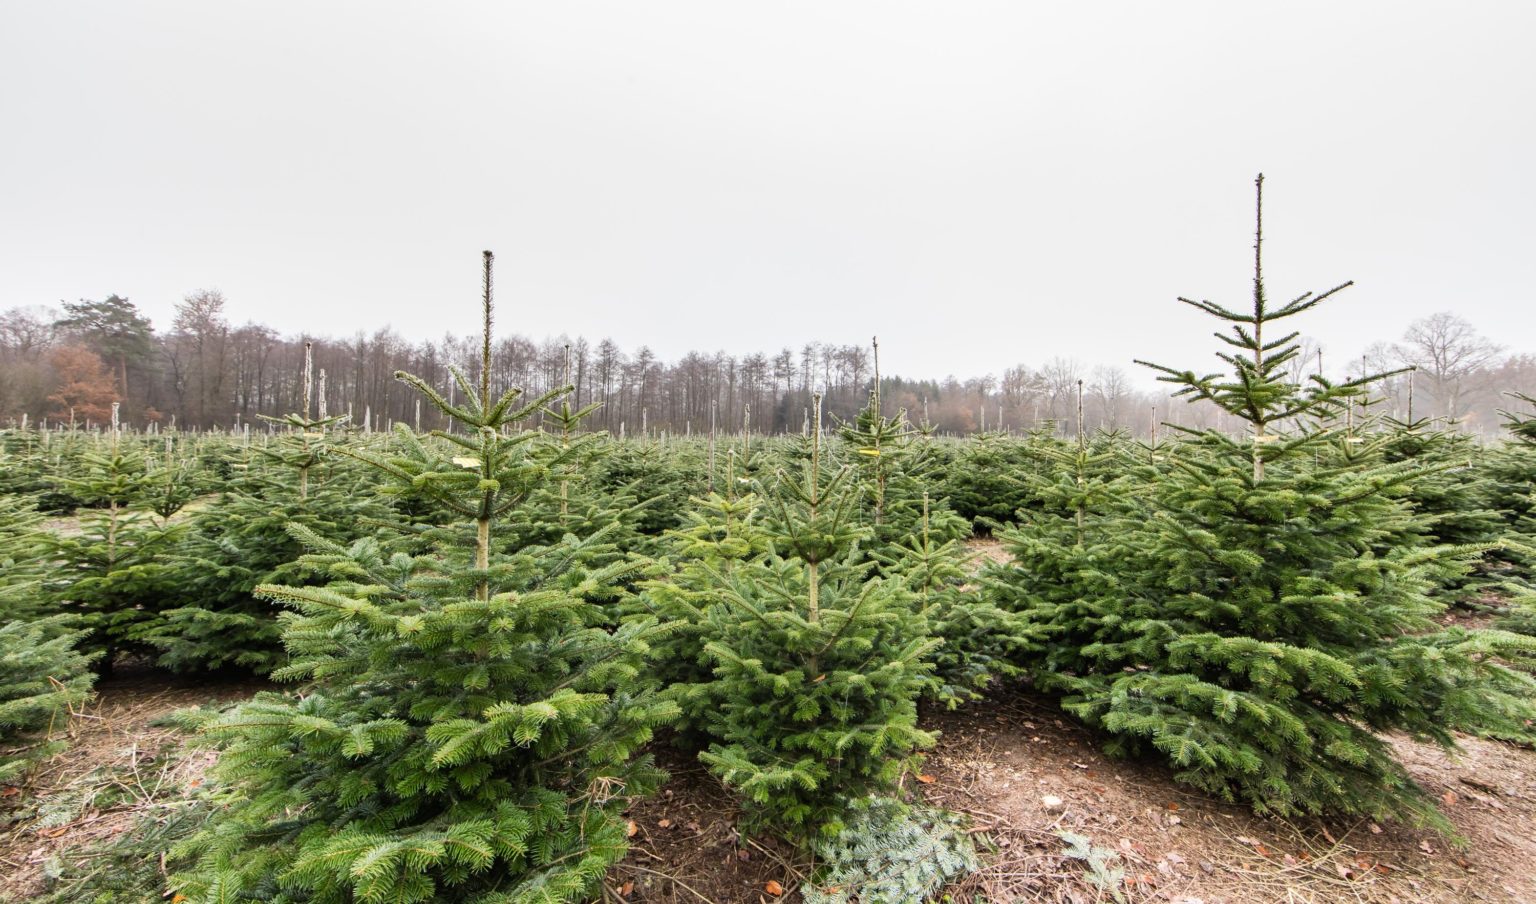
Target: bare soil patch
[
  {"x": 686, "y": 846},
  {"x": 997, "y": 761},
  {"x": 986, "y": 551}
]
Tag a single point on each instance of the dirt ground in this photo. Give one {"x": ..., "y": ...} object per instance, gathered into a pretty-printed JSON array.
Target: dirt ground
[
  {"x": 119, "y": 767},
  {"x": 999, "y": 760},
  {"x": 996, "y": 761}
]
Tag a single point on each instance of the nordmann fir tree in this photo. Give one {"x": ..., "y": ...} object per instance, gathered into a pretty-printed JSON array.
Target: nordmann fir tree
[
  {"x": 243, "y": 539},
  {"x": 1251, "y": 632},
  {"x": 989, "y": 480},
  {"x": 470, "y": 729},
  {"x": 1067, "y": 539},
  {"x": 898, "y": 473},
  {"x": 1522, "y": 425},
  {"x": 24, "y": 560},
  {"x": 113, "y": 574},
  {"x": 34, "y": 461},
  {"x": 818, "y": 665},
  {"x": 720, "y": 533},
  {"x": 663, "y": 475},
  {"x": 1451, "y": 493},
  {"x": 980, "y": 641},
  {"x": 42, "y": 675},
  {"x": 173, "y": 482},
  {"x": 1512, "y": 472},
  {"x": 571, "y": 502}
]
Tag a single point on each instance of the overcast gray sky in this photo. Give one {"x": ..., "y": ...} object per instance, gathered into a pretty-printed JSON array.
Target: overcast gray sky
[{"x": 980, "y": 183}]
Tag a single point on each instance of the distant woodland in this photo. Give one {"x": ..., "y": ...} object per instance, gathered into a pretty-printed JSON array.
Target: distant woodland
[{"x": 70, "y": 363}]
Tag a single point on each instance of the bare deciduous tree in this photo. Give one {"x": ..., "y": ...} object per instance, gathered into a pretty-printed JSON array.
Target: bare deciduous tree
[
  {"x": 1449, "y": 353},
  {"x": 1111, "y": 390},
  {"x": 198, "y": 352}
]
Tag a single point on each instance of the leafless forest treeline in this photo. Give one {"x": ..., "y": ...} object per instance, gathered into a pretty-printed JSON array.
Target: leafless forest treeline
[{"x": 205, "y": 372}]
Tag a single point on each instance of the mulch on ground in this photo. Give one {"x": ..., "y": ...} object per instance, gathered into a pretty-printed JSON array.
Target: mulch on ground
[
  {"x": 116, "y": 754},
  {"x": 1014, "y": 764}
]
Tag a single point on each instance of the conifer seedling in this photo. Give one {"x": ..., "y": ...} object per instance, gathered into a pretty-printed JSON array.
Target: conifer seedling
[
  {"x": 469, "y": 728},
  {"x": 1243, "y": 614}
]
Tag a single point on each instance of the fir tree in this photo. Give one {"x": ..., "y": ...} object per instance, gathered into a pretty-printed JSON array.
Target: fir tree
[
  {"x": 1520, "y": 613},
  {"x": 24, "y": 561},
  {"x": 818, "y": 665},
  {"x": 1512, "y": 475},
  {"x": 43, "y": 675},
  {"x": 1069, "y": 540},
  {"x": 42, "y": 678},
  {"x": 575, "y": 501},
  {"x": 243, "y": 540},
  {"x": 980, "y": 641},
  {"x": 114, "y": 574},
  {"x": 1450, "y": 491},
  {"x": 719, "y": 535},
  {"x": 1522, "y": 425},
  {"x": 171, "y": 483},
  {"x": 1241, "y": 619},
  {"x": 898, "y": 474},
  {"x": 664, "y": 478},
  {"x": 470, "y": 729},
  {"x": 37, "y": 460},
  {"x": 989, "y": 480}
]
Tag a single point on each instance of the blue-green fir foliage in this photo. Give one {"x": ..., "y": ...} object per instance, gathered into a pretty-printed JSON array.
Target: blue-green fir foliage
[{"x": 889, "y": 852}]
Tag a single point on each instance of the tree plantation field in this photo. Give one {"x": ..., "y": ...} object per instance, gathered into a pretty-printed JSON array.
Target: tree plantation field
[{"x": 520, "y": 659}]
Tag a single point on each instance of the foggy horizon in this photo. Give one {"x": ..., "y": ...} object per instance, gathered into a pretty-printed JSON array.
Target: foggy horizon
[{"x": 980, "y": 186}]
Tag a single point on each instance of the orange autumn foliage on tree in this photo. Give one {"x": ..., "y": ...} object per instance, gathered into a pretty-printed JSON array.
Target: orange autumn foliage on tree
[{"x": 84, "y": 389}]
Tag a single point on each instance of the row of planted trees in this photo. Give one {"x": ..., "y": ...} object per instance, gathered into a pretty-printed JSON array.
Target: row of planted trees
[{"x": 490, "y": 625}]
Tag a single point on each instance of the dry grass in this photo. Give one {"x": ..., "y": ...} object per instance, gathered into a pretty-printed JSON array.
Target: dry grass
[{"x": 122, "y": 771}]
